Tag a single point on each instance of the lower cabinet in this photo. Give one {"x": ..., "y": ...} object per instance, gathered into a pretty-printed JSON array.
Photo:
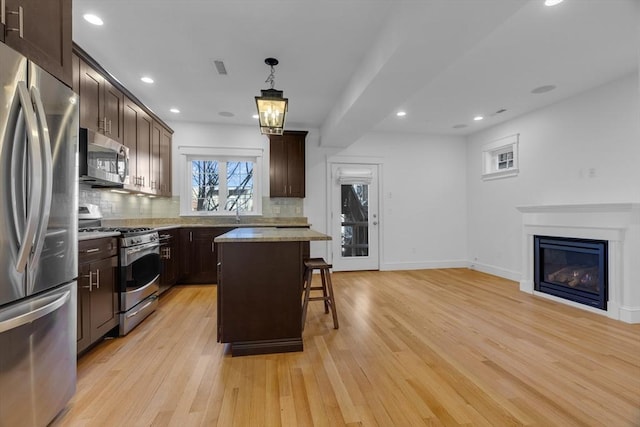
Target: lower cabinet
[
  {"x": 97, "y": 290},
  {"x": 259, "y": 305},
  {"x": 198, "y": 254},
  {"x": 169, "y": 258}
]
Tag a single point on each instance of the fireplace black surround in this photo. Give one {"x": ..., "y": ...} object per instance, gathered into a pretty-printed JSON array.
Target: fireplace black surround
[{"x": 574, "y": 269}]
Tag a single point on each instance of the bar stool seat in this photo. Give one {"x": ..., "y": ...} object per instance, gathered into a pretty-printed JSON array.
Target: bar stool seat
[{"x": 327, "y": 297}]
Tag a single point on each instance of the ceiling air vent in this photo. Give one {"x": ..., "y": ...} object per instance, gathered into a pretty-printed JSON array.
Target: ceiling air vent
[{"x": 222, "y": 70}]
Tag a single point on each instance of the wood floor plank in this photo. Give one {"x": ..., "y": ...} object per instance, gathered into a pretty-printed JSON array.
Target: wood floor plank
[{"x": 426, "y": 347}]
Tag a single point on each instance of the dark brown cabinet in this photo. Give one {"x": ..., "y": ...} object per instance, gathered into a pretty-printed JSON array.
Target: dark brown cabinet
[
  {"x": 259, "y": 308},
  {"x": 41, "y": 30},
  {"x": 169, "y": 256},
  {"x": 108, "y": 108},
  {"x": 199, "y": 254},
  {"x": 160, "y": 160},
  {"x": 165, "y": 162},
  {"x": 97, "y": 290},
  {"x": 101, "y": 104},
  {"x": 137, "y": 130},
  {"x": 286, "y": 164}
]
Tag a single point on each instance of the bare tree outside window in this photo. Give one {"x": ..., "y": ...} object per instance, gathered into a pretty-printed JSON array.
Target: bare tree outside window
[
  {"x": 206, "y": 185},
  {"x": 239, "y": 186},
  {"x": 222, "y": 186}
]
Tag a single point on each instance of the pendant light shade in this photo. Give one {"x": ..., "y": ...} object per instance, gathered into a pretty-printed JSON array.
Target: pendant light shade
[{"x": 272, "y": 105}]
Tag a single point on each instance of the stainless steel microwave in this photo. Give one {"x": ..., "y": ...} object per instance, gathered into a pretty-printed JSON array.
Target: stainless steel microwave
[{"x": 103, "y": 161}]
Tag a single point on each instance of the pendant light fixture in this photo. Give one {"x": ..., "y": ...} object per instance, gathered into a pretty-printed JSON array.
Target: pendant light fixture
[{"x": 272, "y": 106}]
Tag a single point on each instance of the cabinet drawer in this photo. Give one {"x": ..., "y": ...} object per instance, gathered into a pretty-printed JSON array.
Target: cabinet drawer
[{"x": 90, "y": 250}]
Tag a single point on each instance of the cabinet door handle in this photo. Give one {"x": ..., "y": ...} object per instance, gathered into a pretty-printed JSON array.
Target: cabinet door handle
[
  {"x": 20, "y": 14},
  {"x": 90, "y": 276},
  {"x": 3, "y": 20},
  {"x": 212, "y": 247},
  {"x": 97, "y": 278},
  {"x": 190, "y": 236},
  {"x": 109, "y": 128},
  {"x": 289, "y": 190},
  {"x": 92, "y": 250}
]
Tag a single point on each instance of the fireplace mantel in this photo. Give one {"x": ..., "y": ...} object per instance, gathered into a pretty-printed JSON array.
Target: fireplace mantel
[{"x": 617, "y": 223}]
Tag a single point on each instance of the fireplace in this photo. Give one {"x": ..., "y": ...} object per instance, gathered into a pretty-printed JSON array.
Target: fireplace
[{"x": 573, "y": 269}]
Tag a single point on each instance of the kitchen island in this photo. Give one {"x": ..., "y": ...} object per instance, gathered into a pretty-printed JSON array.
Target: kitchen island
[{"x": 260, "y": 274}]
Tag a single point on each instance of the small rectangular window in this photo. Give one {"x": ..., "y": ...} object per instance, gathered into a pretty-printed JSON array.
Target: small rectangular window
[{"x": 500, "y": 158}]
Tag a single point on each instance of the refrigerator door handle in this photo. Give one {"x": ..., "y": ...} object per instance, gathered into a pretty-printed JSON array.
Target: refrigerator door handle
[
  {"x": 46, "y": 183},
  {"x": 35, "y": 167},
  {"x": 26, "y": 313}
]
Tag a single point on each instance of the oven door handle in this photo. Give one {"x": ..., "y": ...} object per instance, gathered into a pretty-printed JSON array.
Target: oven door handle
[{"x": 140, "y": 248}]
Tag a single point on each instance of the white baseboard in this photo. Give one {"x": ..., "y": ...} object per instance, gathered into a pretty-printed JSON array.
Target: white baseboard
[
  {"x": 630, "y": 314},
  {"x": 424, "y": 265},
  {"x": 496, "y": 271}
]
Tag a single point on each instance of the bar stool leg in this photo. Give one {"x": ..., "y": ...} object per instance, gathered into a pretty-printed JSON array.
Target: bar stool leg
[
  {"x": 323, "y": 275},
  {"x": 333, "y": 301},
  {"x": 308, "y": 275}
]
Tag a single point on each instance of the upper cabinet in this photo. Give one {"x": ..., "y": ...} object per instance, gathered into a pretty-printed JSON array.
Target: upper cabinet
[
  {"x": 108, "y": 108},
  {"x": 286, "y": 164},
  {"x": 160, "y": 159},
  {"x": 101, "y": 103},
  {"x": 40, "y": 30},
  {"x": 137, "y": 137}
]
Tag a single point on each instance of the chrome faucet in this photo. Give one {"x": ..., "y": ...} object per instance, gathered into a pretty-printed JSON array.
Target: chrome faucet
[{"x": 238, "y": 210}]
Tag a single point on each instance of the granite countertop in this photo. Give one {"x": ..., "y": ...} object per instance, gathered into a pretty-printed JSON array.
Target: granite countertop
[
  {"x": 230, "y": 225},
  {"x": 271, "y": 234},
  {"x": 96, "y": 235}
]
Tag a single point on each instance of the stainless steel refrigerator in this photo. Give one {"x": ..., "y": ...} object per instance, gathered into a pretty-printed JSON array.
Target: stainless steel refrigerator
[{"x": 38, "y": 242}]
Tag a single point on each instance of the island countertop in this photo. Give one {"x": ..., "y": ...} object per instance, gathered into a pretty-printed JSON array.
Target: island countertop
[{"x": 271, "y": 234}]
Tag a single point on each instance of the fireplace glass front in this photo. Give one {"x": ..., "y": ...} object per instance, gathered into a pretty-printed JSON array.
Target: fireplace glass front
[{"x": 574, "y": 269}]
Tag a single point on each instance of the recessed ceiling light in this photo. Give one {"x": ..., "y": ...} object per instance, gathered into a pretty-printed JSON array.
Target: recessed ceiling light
[
  {"x": 147, "y": 79},
  {"x": 255, "y": 116},
  {"x": 92, "y": 19},
  {"x": 543, "y": 89},
  {"x": 401, "y": 113},
  {"x": 174, "y": 110},
  {"x": 478, "y": 118},
  {"x": 226, "y": 114},
  {"x": 552, "y": 2}
]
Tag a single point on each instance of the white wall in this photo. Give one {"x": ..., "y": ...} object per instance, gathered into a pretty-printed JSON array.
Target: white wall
[
  {"x": 219, "y": 136},
  {"x": 423, "y": 208},
  {"x": 582, "y": 150}
]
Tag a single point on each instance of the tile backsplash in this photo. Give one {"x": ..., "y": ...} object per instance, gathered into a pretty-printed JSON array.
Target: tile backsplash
[{"x": 126, "y": 206}]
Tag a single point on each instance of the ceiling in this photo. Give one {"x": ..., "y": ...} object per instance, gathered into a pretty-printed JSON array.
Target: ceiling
[{"x": 347, "y": 66}]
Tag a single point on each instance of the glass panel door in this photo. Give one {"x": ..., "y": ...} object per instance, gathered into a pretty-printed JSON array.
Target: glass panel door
[
  {"x": 355, "y": 220},
  {"x": 354, "y": 216}
]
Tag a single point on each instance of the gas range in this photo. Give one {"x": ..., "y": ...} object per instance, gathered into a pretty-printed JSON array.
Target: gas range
[{"x": 129, "y": 236}]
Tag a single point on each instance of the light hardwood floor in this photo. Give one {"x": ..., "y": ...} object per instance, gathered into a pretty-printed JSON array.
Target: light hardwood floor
[{"x": 430, "y": 347}]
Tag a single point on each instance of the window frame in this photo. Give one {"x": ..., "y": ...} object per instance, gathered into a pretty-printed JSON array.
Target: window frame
[
  {"x": 491, "y": 153},
  {"x": 222, "y": 156}
]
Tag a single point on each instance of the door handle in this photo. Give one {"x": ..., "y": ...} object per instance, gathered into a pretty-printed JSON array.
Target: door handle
[
  {"x": 20, "y": 14},
  {"x": 35, "y": 197},
  {"x": 30, "y": 315},
  {"x": 46, "y": 178},
  {"x": 90, "y": 277}
]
